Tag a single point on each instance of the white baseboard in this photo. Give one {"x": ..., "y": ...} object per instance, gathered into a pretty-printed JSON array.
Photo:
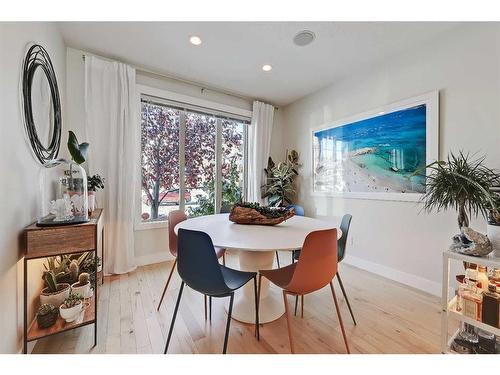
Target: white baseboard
[
  {"x": 144, "y": 260},
  {"x": 409, "y": 279}
]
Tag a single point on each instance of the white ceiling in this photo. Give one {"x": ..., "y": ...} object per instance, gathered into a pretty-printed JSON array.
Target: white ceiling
[{"x": 233, "y": 53}]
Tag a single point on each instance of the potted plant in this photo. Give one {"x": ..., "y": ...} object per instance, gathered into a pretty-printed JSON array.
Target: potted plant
[
  {"x": 279, "y": 189},
  {"x": 79, "y": 153},
  {"x": 71, "y": 307},
  {"x": 82, "y": 286},
  {"x": 464, "y": 184},
  {"x": 47, "y": 315},
  {"x": 94, "y": 183},
  {"x": 54, "y": 293}
]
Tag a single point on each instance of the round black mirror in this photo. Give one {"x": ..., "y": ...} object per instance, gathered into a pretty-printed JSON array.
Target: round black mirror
[{"x": 41, "y": 104}]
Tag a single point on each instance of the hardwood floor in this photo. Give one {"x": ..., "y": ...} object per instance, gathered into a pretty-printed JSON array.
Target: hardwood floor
[{"x": 392, "y": 318}]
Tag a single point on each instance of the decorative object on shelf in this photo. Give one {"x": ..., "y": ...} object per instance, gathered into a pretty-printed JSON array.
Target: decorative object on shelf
[
  {"x": 374, "y": 155},
  {"x": 54, "y": 293},
  {"x": 462, "y": 183},
  {"x": 41, "y": 104},
  {"x": 82, "y": 287},
  {"x": 470, "y": 242},
  {"x": 62, "y": 197},
  {"x": 94, "y": 183},
  {"x": 71, "y": 308},
  {"x": 279, "y": 189},
  {"x": 493, "y": 228},
  {"x": 254, "y": 213},
  {"x": 47, "y": 315}
]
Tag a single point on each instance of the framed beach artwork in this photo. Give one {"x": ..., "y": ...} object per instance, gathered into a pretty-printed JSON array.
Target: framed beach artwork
[{"x": 374, "y": 155}]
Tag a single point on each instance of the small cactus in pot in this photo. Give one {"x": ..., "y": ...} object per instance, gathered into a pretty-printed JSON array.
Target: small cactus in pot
[
  {"x": 71, "y": 307},
  {"x": 54, "y": 293},
  {"x": 74, "y": 269},
  {"x": 47, "y": 315},
  {"x": 82, "y": 287}
]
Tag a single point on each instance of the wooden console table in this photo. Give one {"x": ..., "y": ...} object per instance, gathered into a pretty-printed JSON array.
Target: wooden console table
[{"x": 42, "y": 242}]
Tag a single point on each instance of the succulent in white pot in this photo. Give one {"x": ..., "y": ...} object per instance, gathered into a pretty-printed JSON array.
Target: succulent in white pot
[
  {"x": 71, "y": 308},
  {"x": 54, "y": 293},
  {"x": 82, "y": 287}
]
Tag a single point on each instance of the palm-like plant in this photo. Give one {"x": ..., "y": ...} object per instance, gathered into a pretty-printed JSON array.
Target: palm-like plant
[
  {"x": 279, "y": 187},
  {"x": 461, "y": 183}
]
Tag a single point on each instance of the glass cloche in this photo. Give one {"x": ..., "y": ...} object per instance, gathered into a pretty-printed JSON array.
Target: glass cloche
[{"x": 63, "y": 194}]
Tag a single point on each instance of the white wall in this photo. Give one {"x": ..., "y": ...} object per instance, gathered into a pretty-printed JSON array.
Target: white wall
[
  {"x": 393, "y": 238},
  {"x": 19, "y": 169},
  {"x": 151, "y": 245}
]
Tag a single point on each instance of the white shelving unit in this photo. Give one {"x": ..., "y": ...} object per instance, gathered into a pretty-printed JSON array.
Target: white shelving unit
[{"x": 448, "y": 303}]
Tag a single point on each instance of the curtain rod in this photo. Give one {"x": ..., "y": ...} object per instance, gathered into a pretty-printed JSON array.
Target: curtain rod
[{"x": 202, "y": 88}]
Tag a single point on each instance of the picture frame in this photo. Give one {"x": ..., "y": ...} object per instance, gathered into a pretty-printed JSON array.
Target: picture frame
[{"x": 361, "y": 170}]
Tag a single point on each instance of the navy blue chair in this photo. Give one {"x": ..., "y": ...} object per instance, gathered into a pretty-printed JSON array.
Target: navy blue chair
[
  {"x": 341, "y": 246},
  {"x": 299, "y": 211},
  {"x": 199, "y": 269}
]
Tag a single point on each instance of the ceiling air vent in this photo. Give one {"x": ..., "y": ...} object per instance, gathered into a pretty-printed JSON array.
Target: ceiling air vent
[{"x": 304, "y": 37}]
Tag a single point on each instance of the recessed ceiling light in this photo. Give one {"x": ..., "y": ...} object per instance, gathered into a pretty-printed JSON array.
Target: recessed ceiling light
[
  {"x": 196, "y": 40},
  {"x": 267, "y": 67},
  {"x": 303, "y": 38}
]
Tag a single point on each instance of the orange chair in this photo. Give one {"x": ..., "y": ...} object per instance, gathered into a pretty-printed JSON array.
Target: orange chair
[
  {"x": 316, "y": 268},
  {"x": 174, "y": 218}
]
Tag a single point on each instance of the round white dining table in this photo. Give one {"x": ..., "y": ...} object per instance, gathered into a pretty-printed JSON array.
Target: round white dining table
[{"x": 256, "y": 246}]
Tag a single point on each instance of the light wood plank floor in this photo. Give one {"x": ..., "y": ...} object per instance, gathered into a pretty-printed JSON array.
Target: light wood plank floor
[{"x": 392, "y": 318}]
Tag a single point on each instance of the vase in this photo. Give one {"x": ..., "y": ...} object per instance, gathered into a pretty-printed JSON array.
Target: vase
[
  {"x": 494, "y": 237},
  {"x": 91, "y": 199}
]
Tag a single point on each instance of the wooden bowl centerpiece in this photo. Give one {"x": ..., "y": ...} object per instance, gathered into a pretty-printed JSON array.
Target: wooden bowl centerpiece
[{"x": 254, "y": 213}]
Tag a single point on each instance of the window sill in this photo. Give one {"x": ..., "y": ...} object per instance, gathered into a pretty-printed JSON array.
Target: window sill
[{"x": 150, "y": 225}]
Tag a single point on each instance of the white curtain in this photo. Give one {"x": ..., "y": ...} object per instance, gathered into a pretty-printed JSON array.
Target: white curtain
[
  {"x": 259, "y": 147},
  {"x": 111, "y": 129}
]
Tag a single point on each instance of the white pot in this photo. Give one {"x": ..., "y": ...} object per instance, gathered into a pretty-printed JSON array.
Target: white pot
[
  {"x": 82, "y": 290},
  {"x": 494, "y": 237},
  {"x": 57, "y": 298},
  {"x": 91, "y": 201},
  {"x": 70, "y": 314}
]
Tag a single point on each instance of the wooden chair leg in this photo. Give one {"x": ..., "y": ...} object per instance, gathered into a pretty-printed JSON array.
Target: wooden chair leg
[
  {"x": 166, "y": 285},
  {"x": 228, "y": 324},
  {"x": 224, "y": 259},
  {"x": 340, "y": 317},
  {"x": 346, "y": 299},
  {"x": 278, "y": 259},
  {"x": 288, "y": 323},
  {"x": 256, "y": 307},
  {"x": 173, "y": 318}
]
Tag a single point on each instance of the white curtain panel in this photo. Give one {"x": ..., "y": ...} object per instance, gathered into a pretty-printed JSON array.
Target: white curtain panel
[
  {"x": 111, "y": 129},
  {"x": 259, "y": 147}
]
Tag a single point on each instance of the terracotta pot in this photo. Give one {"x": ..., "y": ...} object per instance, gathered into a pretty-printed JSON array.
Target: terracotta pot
[{"x": 55, "y": 298}]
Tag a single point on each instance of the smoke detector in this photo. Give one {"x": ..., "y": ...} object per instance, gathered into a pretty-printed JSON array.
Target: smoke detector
[{"x": 303, "y": 38}]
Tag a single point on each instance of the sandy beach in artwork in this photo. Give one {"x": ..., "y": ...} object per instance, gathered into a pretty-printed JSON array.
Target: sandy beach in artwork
[{"x": 351, "y": 175}]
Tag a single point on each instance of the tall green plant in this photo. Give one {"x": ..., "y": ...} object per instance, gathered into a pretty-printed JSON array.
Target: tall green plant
[
  {"x": 279, "y": 188},
  {"x": 463, "y": 184}
]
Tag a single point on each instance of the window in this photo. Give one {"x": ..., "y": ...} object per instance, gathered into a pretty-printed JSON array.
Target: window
[{"x": 192, "y": 159}]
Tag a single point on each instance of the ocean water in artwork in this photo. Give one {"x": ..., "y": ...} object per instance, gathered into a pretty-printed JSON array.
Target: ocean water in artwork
[{"x": 378, "y": 154}]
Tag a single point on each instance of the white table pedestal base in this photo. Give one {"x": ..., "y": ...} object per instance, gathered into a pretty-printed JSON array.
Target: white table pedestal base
[{"x": 271, "y": 297}]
